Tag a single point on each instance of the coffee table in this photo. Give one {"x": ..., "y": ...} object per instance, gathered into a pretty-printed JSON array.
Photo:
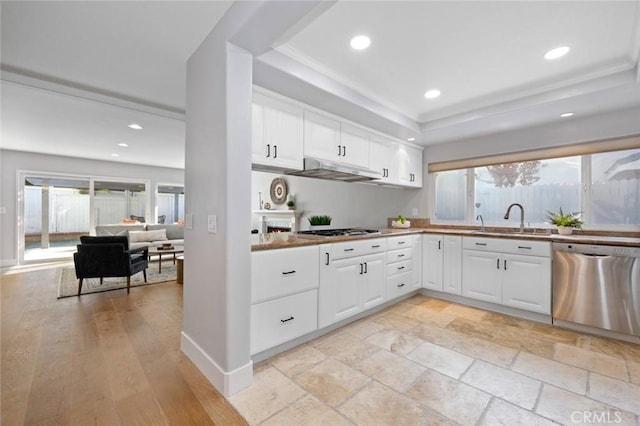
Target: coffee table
[{"x": 161, "y": 252}]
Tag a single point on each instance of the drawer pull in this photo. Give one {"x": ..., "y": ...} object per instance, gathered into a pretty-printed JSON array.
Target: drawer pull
[
  {"x": 401, "y": 255},
  {"x": 376, "y": 246},
  {"x": 349, "y": 249},
  {"x": 289, "y": 272},
  {"x": 327, "y": 259},
  {"x": 400, "y": 268},
  {"x": 524, "y": 247},
  {"x": 481, "y": 244},
  {"x": 401, "y": 285},
  {"x": 287, "y": 319},
  {"x": 401, "y": 242}
]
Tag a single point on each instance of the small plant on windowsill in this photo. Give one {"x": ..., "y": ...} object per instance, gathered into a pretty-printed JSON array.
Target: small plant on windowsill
[
  {"x": 316, "y": 221},
  {"x": 565, "y": 222}
]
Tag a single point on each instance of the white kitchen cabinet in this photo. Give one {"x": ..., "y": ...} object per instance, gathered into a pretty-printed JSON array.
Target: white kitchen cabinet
[
  {"x": 349, "y": 285},
  {"x": 279, "y": 320},
  {"x": 442, "y": 264},
  {"x": 417, "y": 262},
  {"x": 321, "y": 137},
  {"x": 526, "y": 283},
  {"x": 481, "y": 276},
  {"x": 400, "y": 264},
  {"x": 277, "y": 134},
  {"x": 409, "y": 166},
  {"x": 284, "y": 295},
  {"x": 432, "y": 264},
  {"x": 354, "y": 143},
  {"x": 514, "y": 273},
  {"x": 383, "y": 158}
]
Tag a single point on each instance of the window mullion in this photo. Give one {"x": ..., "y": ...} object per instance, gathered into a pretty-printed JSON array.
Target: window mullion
[
  {"x": 585, "y": 199},
  {"x": 471, "y": 185}
]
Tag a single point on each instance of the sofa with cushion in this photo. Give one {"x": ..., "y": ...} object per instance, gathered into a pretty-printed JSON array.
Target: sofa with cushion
[{"x": 145, "y": 235}]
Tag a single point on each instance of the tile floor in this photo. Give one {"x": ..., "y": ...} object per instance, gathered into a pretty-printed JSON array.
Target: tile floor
[{"x": 428, "y": 361}]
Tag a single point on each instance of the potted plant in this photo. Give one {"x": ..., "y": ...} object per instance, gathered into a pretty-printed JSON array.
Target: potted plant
[
  {"x": 320, "y": 222},
  {"x": 565, "y": 222},
  {"x": 291, "y": 205},
  {"x": 400, "y": 222}
]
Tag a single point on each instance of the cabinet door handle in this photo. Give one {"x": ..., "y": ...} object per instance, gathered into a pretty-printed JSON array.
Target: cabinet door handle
[
  {"x": 349, "y": 249},
  {"x": 481, "y": 244},
  {"x": 361, "y": 269},
  {"x": 275, "y": 151},
  {"x": 439, "y": 244},
  {"x": 287, "y": 319},
  {"x": 401, "y": 285},
  {"x": 498, "y": 263},
  {"x": 376, "y": 246},
  {"x": 289, "y": 272},
  {"x": 327, "y": 254},
  {"x": 365, "y": 267},
  {"x": 344, "y": 151},
  {"x": 400, "y": 268},
  {"x": 505, "y": 264},
  {"x": 339, "y": 150},
  {"x": 524, "y": 247},
  {"x": 268, "y": 150}
]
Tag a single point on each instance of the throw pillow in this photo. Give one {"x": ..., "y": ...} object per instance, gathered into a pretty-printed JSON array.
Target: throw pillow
[{"x": 147, "y": 236}]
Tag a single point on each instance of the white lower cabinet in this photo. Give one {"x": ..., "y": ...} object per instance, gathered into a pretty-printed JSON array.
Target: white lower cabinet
[
  {"x": 499, "y": 271},
  {"x": 442, "y": 263},
  {"x": 350, "y": 285},
  {"x": 400, "y": 264},
  {"x": 416, "y": 262},
  {"x": 279, "y": 320}
]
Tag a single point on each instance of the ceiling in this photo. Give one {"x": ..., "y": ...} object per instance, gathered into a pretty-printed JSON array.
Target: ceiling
[{"x": 74, "y": 74}]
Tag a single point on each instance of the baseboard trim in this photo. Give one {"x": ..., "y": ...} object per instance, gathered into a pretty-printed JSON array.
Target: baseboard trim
[
  {"x": 5, "y": 263},
  {"x": 227, "y": 382}
]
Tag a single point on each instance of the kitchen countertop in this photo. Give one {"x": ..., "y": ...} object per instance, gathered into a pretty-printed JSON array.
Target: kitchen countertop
[{"x": 291, "y": 239}]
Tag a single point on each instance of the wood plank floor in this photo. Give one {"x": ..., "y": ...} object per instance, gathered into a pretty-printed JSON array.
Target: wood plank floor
[{"x": 107, "y": 358}]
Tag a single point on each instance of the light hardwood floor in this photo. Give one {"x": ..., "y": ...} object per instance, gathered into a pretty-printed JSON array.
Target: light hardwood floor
[{"x": 107, "y": 358}]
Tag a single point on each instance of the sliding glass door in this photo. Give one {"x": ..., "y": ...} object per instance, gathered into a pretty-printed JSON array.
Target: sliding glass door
[{"x": 115, "y": 202}]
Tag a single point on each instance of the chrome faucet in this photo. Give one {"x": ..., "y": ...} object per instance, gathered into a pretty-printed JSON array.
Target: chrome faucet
[
  {"x": 479, "y": 217},
  {"x": 506, "y": 215}
]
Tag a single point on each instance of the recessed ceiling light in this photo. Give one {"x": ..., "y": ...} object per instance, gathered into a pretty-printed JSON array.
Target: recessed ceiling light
[
  {"x": 360, "y": 42},
  {"x": 556, "y": 53},
  {"x": 566, "y": 114},
  {"x": 135, "y": 126},
  {"x": 115, "y": 155},
  {"x": 411, "y": 139},
  {"x": 122, "y": 144},
  {"x": 432, "y": 94}
]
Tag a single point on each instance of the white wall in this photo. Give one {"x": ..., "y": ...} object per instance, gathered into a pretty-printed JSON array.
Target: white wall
[
  {"x": 349, "y": 204},
  {"x": 12, "y": 161}
]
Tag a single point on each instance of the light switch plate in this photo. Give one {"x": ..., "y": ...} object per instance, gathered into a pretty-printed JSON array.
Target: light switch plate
[
  {"x": 212, "y": 223},
  {"x": 188, "y": 221}
]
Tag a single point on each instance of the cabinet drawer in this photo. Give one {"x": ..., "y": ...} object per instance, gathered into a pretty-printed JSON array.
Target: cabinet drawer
[
  {"x": 358, "y": 248},
  {"x": 398, "y": 255},
  {"x": 399, "y": 267},
  {"x": 505, "y": 245},
  {"x": 399, "y": 242},
  {"x": 399, "y": 284},
  {"x": 280, "y": 320},
  {"x": 276, "y": 273}
]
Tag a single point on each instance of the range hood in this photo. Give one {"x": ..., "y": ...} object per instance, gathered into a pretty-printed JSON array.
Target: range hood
[{"x": 323, "y": 169}]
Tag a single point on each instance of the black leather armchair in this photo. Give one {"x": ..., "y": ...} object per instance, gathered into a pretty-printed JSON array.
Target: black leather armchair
[{"x": 109, "y": 256}]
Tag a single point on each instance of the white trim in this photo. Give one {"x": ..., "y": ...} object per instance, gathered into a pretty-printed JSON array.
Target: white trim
[
  {"x": 5, "y": 263},
  {"x": 228, "y": 383}
]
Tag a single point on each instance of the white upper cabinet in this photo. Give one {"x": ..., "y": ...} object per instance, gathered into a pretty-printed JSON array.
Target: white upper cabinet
[
  {"x": 409, "y": 166},
  {"x": 383, "y": 158},
  {"x": 277, "y": 133},
  {"x": 354, "y": 144},
  {"x": 321, "y": 137}
]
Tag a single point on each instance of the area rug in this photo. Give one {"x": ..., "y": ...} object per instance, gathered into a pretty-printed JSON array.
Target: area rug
[{"x": 68, "y": 283}]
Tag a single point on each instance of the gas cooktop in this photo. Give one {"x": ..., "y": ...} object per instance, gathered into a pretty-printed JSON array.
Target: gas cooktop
[{"x": 338, "y": 232}]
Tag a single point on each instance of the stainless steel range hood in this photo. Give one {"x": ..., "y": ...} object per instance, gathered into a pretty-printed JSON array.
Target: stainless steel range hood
[{"x": 323, "y": 169}]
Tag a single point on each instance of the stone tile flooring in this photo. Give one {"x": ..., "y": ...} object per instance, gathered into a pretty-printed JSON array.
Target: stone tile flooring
[{"x": 426, "y": 361}]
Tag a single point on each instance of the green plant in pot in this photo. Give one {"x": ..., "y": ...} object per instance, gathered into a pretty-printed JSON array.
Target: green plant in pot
[
  {"x": 565, "y": 222},
  {"x": 323, "y": 220},
  {"x": 291, "y": 205}
]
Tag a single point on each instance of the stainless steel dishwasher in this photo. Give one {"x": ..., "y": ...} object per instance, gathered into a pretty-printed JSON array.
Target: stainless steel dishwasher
[{"x": 597, "y": 286}]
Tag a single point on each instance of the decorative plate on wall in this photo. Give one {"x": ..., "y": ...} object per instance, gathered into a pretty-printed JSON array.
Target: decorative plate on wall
[{"x": 278, "y": 191}]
